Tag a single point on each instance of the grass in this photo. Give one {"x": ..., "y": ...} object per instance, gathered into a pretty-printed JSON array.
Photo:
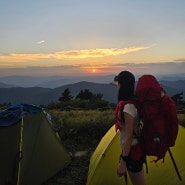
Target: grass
[
  {"x": 79, "y": 131},
  {"x": 181, "y": 118},
  {"x": 82, "y": 131}
]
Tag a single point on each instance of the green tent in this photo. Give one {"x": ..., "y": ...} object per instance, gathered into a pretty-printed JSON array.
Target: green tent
[
  {"x": 30, "y": 151},
  {"x": 103, "y": 163}
]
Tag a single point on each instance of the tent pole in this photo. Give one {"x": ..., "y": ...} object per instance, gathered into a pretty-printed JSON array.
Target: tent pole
[{"x": 20, "y": 147}]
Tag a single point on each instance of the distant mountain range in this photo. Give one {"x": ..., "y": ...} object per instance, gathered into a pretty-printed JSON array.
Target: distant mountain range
[
  {"x": 44, "y": 96},
  {"x": 39, "y": 95},
  {"x": 58, "y": 81},
  {"x": 4, "y": 85},
  {"x": 50, "y": 81}
]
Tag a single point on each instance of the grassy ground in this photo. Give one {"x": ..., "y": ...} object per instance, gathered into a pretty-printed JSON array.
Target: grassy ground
[
  {"x": 82, "y": 133},
  {"x": 74, "y": 174}
]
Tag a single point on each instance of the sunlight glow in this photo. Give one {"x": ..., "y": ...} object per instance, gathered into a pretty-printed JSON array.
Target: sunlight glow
[
  {"x": 68, "y": 55},
  {"x": 96, "y": 53}
]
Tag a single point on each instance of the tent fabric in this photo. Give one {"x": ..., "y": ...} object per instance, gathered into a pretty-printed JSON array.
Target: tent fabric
[
  {"x": 43, "y": 154},
  {"x": 14, "y": 112},
  {"x": 104, "y": 161}
]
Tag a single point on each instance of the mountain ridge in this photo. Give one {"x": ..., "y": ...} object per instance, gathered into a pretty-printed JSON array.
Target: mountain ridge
[
  {"x": 58, "y": 81},
  {"x": 44, "y": 96}
]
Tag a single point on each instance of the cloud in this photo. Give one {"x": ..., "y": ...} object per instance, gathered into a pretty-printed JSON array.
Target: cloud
[
  {"x": 96, "y": 53},
  {"x": 180, "y": 60},
  {"x": 69, "y": 55},
  {"x": 22, "y": 57},
  {"x": 102, "y": 69},
  {"x": 41, "y": 41}
]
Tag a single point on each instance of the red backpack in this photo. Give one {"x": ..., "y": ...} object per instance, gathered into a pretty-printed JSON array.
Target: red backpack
[{"x": 159, "y": 117}]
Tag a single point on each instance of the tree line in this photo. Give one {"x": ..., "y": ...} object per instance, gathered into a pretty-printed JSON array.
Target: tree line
[{"x": 85, "y": 99}]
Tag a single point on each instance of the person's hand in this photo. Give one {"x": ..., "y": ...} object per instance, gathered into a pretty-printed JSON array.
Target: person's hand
[{"x": 121, "y": 169}]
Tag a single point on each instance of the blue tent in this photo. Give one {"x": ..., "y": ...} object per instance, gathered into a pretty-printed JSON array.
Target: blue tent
[{"x": 14, "y": 113}]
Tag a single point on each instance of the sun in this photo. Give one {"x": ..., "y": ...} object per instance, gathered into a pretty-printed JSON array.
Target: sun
[{"x": 93, "y": 70}]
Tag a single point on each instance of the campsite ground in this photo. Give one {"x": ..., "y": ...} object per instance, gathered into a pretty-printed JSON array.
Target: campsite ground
[
  {"x": 80, "y": 133},
  {"x": 79, "y": 139},
  {"x": 76, "y": 172}
]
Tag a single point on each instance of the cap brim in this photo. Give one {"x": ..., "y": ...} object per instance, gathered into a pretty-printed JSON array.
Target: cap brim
[
  {"x": 116, "y": 78},
  {"x": 115, "y": 83}
]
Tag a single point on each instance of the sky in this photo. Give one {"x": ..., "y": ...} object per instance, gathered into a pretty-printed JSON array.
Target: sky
[{"x": 91, "y": 37}]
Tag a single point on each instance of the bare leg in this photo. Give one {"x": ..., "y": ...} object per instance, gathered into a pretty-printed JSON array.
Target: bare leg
[{"x": 137, "y": 178}]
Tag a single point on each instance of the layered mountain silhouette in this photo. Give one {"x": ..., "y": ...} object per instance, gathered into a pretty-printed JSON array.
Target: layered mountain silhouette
[{"x": 44, "y": 96}]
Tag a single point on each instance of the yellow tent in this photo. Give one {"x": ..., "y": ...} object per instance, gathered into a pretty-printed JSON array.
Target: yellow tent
[{"x": 103, "y": 163}]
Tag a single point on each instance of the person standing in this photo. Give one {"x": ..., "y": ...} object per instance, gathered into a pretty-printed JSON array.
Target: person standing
[{"x": 132, "y": 155}]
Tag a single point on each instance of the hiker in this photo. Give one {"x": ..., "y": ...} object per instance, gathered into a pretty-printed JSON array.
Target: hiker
[{"x": 127, "y": 122}]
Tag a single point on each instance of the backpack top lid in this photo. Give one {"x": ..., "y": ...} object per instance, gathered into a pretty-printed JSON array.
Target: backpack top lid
[{"x": 148, "y": 88}]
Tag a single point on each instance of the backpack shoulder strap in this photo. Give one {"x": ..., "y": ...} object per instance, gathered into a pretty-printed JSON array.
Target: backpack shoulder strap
[{"x": 119, "y": 118}]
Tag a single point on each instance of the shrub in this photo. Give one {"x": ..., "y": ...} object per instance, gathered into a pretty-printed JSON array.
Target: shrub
[
  {"x": 181, "y": 118},
  {"x": 80, "y": 126}
]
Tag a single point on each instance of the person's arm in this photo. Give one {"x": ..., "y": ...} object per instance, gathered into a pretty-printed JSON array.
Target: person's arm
[{"x": 129, "y": 127}]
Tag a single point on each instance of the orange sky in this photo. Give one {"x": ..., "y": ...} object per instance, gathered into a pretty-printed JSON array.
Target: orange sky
[{"x": 76, "y": 37}]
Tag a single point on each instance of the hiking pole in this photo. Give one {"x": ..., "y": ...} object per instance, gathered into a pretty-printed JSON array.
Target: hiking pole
[
  {"x": 125, "y": 176},
  {"x": 174, "y": 164}
]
